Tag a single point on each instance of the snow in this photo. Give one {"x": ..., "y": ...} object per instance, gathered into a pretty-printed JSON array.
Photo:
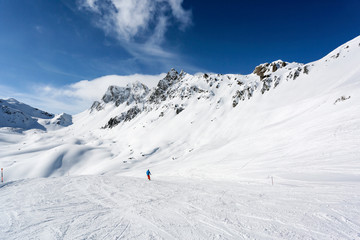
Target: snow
[
  {"x": 33, "y": 112},
  {"x": 110, "y": 207},
  {"x": 20, "y": 116},
  {"x": 213, "y": 143}
]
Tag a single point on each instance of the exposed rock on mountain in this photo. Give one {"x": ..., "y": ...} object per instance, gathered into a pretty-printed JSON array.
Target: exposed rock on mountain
[
  {"x": 160, "y": 93},
  {"x": 178, "y": 90},
  {"x": 132, "y": 93},
  {"x": 96, "y": 106},
  {"x": 124, "y": 117}
]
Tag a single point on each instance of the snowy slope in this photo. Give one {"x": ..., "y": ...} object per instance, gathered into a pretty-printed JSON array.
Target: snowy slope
[
  {"x": 14, "y": 114},
  {"x": 26, "y": 109},
  {"x": 19, "y": 115},
  {"x": 288, "y": 120},
  {"x": 298, "y": 124},
  {"x": 109, "y": 207}
]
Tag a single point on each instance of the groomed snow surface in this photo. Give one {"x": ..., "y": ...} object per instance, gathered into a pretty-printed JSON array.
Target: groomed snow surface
[
  {"x": 111, "y": 207},
  {"x": 282, "y": 164}
]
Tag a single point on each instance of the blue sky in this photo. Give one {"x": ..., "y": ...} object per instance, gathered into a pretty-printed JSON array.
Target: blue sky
[{"x": 53, "y": 45}]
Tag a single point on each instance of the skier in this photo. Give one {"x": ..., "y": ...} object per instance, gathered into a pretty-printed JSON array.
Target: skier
[{"x": 148, "y": 173}]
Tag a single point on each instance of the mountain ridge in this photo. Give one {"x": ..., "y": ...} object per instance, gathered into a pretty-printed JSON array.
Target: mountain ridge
[
  {"x": 18, "y": 115},
  {"x": 176, "y": 85}
]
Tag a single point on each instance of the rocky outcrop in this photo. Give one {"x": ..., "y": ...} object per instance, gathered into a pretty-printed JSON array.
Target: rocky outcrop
[
  {"x": 261, "y": 70},
  {"x": 264, "y": 70},
  {"x": 179, "y": 109},
  {"x": 160, "y": 93},
  {"x": 245, "y": 93},
  {"x": 124, "y": 117},
  {"x": 341, "y": 99},
  {"x": 270, "y": 75},
  {"x": 176, "y": 89},
  {"x": 269, "y": 78},
  {"x": 96, "y": 106},
  {"x": 132, "y": 93}
]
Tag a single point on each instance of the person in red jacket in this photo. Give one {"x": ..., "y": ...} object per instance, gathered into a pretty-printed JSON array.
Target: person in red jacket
[{"x": 148, "y": 173}]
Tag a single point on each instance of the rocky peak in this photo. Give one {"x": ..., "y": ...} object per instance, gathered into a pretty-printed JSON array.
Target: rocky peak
[
  {"x": 138, "y": 89},
  {"x": 133, "y": 92},
  {"x": 171, "y": 75},
  {"x": 164, "y": 84},
  {"x": 277, "y": 65},
  {"x": 112, "y": 94},
  {"x": 263, "y": 70}
]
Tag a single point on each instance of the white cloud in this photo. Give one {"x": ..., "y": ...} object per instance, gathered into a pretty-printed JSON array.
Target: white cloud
[
  {"x": 138, "y": 24},
  {"x": 79, "y": 96},
  {"x": 90, "y": 4},
  {"x": 180, "y": 13},
  {"x": 94, "y": 89},
  {"x": 76, "y": 97}
]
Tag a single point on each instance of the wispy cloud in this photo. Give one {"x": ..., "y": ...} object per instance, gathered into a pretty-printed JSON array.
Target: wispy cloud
[
  {"x": 127, "y": 19},
  {"x": 53, "y": 69},
  {"x": 139, "y": 25}
]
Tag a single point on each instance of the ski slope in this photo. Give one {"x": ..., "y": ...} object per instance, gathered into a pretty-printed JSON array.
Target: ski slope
[
  {"x": 111, "y": 207},
  {"x": 214, "y": 143}
]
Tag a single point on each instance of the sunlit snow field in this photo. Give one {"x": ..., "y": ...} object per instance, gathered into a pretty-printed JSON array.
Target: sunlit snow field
[
  {"x": 282, "y": 165},
  {"x": 110, "y": 207}
]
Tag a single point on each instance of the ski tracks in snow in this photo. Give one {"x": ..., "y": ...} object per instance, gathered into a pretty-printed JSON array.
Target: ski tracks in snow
[{"x": 110, "y": 207}]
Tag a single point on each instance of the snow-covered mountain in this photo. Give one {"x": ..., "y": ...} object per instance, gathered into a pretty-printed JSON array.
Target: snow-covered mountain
[
  {"x": 291, "y": 107},
  {"x": 177, "y": 90},
  {"x": 216, "y": 142},
  {"x": 14, "y": 114},
  {"x": 19, "y": 115}
]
